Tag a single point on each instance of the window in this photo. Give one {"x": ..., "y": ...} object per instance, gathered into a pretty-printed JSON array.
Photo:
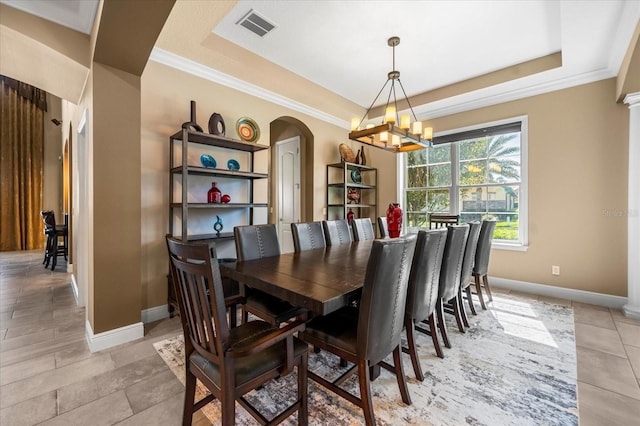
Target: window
[{"x": 477, "y": 172}]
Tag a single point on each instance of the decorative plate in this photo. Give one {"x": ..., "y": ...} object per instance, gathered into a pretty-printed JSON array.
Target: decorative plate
[
  {"x": 233, "y": 165},
  {"x": 208, "y": 161},
  {"x": 355, "y": 176},
  {"x": 248, "y": 130}
]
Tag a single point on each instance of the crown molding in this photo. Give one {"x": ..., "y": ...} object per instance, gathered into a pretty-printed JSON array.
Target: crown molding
[
  {"x": 632, "y": 99},
  {"x": 457, "y": 104},
  {"x": 191, "y": 67}
]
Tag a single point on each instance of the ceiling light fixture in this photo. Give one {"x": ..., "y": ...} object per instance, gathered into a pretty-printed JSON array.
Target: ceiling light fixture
[{"x": 393, "y": 134}]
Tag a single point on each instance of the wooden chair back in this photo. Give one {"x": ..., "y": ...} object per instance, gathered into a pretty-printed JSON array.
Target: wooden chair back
[{"x": 442, "y": 220}]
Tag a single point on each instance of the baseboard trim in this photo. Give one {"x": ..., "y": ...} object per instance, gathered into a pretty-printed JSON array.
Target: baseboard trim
[
  {"x": 600, "y": 299},
  {"x": 115, "y": 337},
  {"x": 631, "y": 311},
  {"x": 74, "y": 287},
  {"x": 154, "y": 314}
]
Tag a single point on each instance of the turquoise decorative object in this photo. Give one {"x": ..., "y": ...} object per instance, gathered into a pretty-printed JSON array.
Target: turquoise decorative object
[{"x": 218, "y": 226}]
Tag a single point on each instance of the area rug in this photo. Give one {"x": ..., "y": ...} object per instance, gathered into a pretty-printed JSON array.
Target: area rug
[{"x": 515, "y": 365}]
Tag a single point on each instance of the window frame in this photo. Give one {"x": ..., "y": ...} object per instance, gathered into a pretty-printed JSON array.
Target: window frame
[{"x": 523, "y": 204}]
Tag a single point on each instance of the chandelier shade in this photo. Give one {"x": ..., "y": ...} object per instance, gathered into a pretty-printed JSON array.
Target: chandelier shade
[{"x": 395, "y": 134}]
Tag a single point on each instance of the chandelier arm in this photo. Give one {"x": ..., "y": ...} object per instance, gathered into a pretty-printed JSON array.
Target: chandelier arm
[
  {"x": 407, "y": 99},
  {"x": 372, "y": 103},
  {"x": 395, "y": 103}
]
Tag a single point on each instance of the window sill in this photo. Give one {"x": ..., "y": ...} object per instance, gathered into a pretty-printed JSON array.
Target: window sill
[{"x": 510, "y": 247}]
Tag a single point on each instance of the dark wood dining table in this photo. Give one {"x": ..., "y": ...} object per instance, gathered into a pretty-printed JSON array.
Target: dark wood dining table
[{"x": 321, "y": 280}]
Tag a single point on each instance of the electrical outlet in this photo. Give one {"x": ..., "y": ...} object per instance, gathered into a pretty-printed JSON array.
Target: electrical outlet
[{"x": 555, "y": 270}]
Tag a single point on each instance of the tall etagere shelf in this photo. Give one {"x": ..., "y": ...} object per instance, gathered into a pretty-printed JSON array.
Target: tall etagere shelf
[
  {"x": 181, "y": 190},
  {"x": 346, "y": 177}
]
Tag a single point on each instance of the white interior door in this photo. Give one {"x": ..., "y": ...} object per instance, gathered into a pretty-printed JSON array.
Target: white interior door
[{"x": 287, "y": 190}]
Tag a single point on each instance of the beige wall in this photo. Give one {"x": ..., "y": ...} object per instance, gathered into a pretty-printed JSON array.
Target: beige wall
[
  {"x": 577, "y": 175},
  {"x": 52, "y": 173},
  {"x": 166, "y": 94},
  {"x": 578, "y": 149}
]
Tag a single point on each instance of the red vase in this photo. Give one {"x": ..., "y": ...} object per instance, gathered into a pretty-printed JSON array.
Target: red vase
[
  {"x": 214, "y": 195},
  {"x": 350, "y": 216},
  {"x": 394, "y": 220}
]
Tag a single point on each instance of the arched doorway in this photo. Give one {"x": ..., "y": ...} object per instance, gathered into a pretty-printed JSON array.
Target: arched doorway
[{"x": 289, "y": 129}]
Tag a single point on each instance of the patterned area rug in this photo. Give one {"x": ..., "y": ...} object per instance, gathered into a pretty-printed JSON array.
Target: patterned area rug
[{"x": 516, "y": 365}]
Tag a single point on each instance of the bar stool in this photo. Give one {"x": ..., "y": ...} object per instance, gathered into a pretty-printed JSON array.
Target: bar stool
[{"x": 54, "y": 233}]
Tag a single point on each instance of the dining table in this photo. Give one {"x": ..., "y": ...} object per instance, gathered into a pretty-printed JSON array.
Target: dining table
[{"x": 321, "y": 280}]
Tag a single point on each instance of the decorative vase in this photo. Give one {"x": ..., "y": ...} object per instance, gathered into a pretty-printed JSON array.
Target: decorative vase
[
  {"x": 225, "y": 198},
  {"x": 394, "y": 220},
  {"x": 358, "y": 157},
  {"x": 214, "y": 195},
  {"x": 192, "y": 123},
  {"x": 218, "y": 226},
  {"x": 216, "y": 125},
  {"x": 350, "y": 216},
  {"x": 363, "y": 159}
]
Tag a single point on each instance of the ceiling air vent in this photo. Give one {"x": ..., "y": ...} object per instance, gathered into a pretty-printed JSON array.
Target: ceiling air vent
[{"x": 256, "y": 23}]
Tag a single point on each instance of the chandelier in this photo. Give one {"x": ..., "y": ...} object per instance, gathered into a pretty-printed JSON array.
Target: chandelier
[{"x": 393, "y": 134}]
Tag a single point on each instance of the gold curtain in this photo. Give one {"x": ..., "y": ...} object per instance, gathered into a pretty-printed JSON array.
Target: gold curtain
[{"x": 21, "y": 165}]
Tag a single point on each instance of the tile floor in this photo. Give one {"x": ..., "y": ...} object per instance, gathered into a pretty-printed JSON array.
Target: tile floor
[{"x": 49, "y": 377}]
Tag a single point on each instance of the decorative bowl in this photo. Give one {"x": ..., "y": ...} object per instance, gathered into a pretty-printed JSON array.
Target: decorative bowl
[
  {"x": 208, "y": 161},
  {"x": 233, "y": 165},
  {"x": 355, "y": 176}
]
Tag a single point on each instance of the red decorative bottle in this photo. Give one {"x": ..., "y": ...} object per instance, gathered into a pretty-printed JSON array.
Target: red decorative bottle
[
  {"x": 214, "y": 195},
  {"x": 394, "y": 220},
  {"x": 350, "y": 216}
]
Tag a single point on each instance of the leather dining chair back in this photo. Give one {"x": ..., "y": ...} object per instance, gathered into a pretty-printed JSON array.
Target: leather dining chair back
[
  {"x": 450, "y": 276},
  {"x": 363, "y": 229},
  {"x": 467, "y": 268},
  {"x": 257, "y": 242},
  {"x": 308, "y": 236},
  {"x": 337, "y": 232},
  {"x": 481, "y": 266},
  {"x": 230, "y": 362},
  {"x": 367, "y": 334},
  {"x": 422, "y": 294},
  {"x": 383, "y": 227}
]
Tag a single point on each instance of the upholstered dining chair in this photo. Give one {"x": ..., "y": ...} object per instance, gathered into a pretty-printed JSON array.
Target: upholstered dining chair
[
  {"x": 229, "y": 362},
  {"x": 308, "y": 236},
  {"x": 363, "y": 229},
  {"x": 481, "y": 265},
  {"x": 383, "y": 228},
  {"x": 422, "y": 293},
  {"x": 468, "y": 261},
  {"x": 450, "y": 277},
  {"x": 367, "y": 334},
  {"x": 337, "y": 232},
  {"x": 257, "y": 242},
  {"x": 437, "y": 220}
]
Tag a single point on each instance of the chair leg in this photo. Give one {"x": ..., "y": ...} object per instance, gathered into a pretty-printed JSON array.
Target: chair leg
[
  {"x": 303, "y": 411},
  {"x": 470, "y": 300},
  {"x": 399, "y": 370},
  {"x": 434, "y": 336},
  {"x": 463, "y": 312},
  {"x": 441, "y": 324},
  {"x": 457, "y": 314},
  {"x": 189, "y": 395},
  {"x": 487, "y": 288},
  {"x": 365, "y": 392},
  {"x": 479, "y": 291},
  {"x": 413, "y": 353},
  {"x": 54, "y": 259},
  {"x": 228, "y": 407}
]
